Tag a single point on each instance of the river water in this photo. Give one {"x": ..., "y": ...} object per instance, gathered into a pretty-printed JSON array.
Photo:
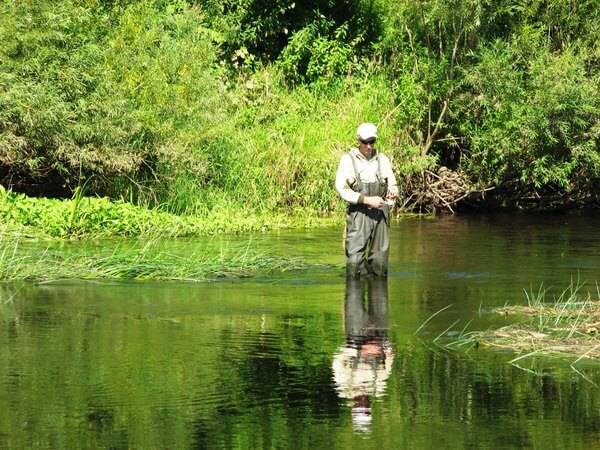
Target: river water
[{"x": 304, "y": 359}]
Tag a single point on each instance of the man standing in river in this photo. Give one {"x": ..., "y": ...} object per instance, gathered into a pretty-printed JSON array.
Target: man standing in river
[{"x": 365, "y": 180}]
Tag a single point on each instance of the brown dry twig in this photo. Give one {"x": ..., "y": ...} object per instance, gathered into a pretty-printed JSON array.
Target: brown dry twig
[{"x": 440, "y": 189}]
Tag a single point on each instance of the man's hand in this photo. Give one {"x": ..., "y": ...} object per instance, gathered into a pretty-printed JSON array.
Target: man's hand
[
  {"x": 374, "y": 202},
  {"x": 390, "y": 199}
]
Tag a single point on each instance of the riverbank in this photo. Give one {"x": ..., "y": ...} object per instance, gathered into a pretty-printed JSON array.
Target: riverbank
[
  {"x": 190, "y": 106},
  {"x": 24, "y": 219},
  {"x": 87, "y": 217}
]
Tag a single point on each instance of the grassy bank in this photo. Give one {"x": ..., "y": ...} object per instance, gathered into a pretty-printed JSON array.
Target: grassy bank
[
  {"x": 148, "y": 263},
  {"x": 569, "y": 325},
  {"x": 101, "y": 217}
]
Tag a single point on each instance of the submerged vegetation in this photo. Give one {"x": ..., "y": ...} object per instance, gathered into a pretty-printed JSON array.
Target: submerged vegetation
[
  {"x": 146, "y": 263},
  {"x": 189, "y": 107}
]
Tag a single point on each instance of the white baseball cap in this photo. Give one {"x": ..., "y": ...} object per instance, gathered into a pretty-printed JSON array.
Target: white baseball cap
[{"x": 366, "y": 131}]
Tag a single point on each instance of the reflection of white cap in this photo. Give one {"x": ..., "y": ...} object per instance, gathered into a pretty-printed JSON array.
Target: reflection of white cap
[
  {"x": 366, "y": 131},
  {"x": 361, "y": 419}
]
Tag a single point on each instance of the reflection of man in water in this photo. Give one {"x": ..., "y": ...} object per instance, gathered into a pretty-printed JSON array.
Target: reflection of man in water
[{"x": 362, "y": 367}]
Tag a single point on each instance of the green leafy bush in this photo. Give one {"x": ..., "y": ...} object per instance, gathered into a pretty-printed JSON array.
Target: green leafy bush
[
  {"x": 251, "y": 31},
  {"x": 533, "y": 117},
  {"x": 90, "y": 91},
  {"x": 316, "y": 53},
  {"x": 192, "y": 106}
]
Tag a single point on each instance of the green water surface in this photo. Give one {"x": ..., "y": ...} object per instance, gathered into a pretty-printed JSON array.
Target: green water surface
[{"x": 304, "y": 360}]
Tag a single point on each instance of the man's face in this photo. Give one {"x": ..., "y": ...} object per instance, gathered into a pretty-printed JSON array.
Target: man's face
[
  {"x": 371, "y": 350},
  {"x": 366, "y": 147}
]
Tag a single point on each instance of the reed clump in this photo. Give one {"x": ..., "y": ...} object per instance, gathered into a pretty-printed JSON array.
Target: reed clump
[{"x": 567, "y": 325}]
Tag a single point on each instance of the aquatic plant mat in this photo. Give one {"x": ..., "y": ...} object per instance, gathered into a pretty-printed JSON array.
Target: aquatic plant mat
[
  {"x": 147, "y": 263},
  {"x": 569, "y": 325}
]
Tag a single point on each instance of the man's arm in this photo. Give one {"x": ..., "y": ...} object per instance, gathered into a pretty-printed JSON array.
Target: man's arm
[{"x": 344, "y": 173}]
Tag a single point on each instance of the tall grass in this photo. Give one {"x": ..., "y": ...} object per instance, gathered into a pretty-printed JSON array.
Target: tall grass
[{"x": 278, "y": 150}]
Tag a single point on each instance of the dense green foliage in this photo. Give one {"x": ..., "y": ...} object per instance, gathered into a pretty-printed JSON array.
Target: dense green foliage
[
  {"x": 86, "y": 92},
  {"x": 192, "y": 105}
]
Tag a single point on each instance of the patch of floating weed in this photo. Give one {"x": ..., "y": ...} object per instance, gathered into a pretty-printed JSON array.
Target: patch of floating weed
[
  {"x": 569, "y": 325},
  {"x": 140, "y": 264}
]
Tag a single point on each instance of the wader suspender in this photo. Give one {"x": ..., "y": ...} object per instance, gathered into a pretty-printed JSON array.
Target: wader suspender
[
  {"x": 357, "y": 181},
  {"x": 357, "y": 177}
]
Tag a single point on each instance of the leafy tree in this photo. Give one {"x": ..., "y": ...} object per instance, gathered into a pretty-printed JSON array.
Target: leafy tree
[
  {"x": 424, "y": 46},
  {"x": 533, "y": 119},
  {"x": 95, "y": 92}
]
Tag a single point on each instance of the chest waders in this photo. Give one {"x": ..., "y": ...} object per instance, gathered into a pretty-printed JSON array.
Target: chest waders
[{"x": 367, "y": 241}]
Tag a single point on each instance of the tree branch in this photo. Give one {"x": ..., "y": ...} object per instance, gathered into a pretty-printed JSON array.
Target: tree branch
[{"x": 431, "y": 135}]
